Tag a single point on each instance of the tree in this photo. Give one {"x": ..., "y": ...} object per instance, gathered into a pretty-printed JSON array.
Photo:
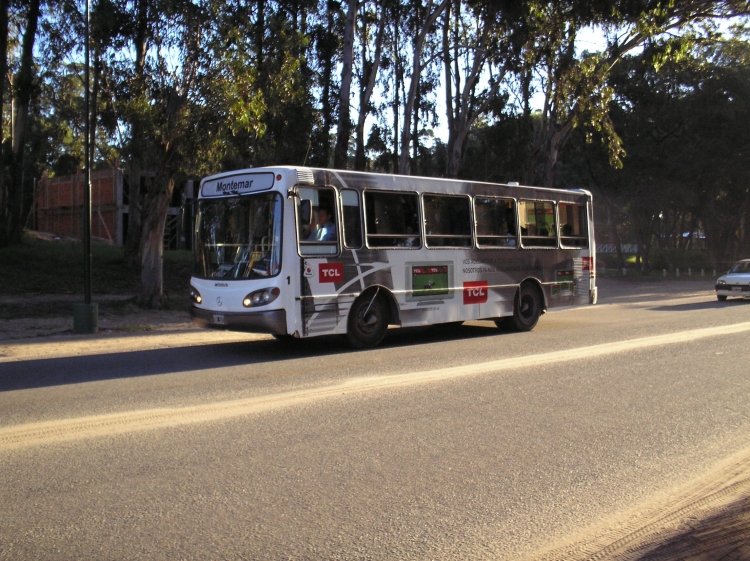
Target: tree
[
  {"x": 343, "y": 131},
  {"x": 424, "y": 25},
  {"x": 479, "y": 50},
  {"x": 12, "y": 199},
  {"x": 575, "y": 88},
  {"x": 369, "y": 68},
  {"x": 681, "y": 123},
  {"x": 5, "y": 234}
]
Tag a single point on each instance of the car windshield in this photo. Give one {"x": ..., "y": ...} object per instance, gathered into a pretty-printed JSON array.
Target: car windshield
[
  {"x": 239, "y": 237},
  {"x": 741, "y": 267}
]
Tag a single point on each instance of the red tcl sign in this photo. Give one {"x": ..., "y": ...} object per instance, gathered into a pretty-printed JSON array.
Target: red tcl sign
[
  {"x": 475, "y": 292},
  {"x": 330, "y": 272}
]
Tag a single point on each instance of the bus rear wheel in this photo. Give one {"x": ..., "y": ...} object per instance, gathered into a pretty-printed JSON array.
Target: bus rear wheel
[
  {"x": 368, "y": 322},
  {"x": 526, "y": 310}
]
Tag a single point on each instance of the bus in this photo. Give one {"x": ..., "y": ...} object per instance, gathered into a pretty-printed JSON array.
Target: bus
[{"x": 300, "y": 252}]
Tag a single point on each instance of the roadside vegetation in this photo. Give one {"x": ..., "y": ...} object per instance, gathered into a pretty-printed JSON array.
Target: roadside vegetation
[{"x": 39, "y": 269}]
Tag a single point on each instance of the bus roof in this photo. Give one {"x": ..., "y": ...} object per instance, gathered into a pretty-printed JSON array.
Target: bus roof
[{"x": 306, "y": 175}]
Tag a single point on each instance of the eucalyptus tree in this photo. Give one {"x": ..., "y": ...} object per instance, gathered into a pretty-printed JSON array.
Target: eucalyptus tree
[
  {"x": 22, "y": 89},
  {"x": 480, "y": 48},
  {"x": 6, "y": 234},
  {"x": 424, "y": 17},
  {"x": 371, "y": 46},
  {"x": 343, "y": 130},
  {"x": 684, "y": 130},
  {"x": 574, "y": 86},
  {"x": 257, "y": 83},
  {"x": 325, "y": 51}
]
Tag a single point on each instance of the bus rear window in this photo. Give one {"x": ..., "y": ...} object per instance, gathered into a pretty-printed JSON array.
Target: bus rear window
[
  {"x": 392, "y": 219},
  {"x": 573, "y": 231}
]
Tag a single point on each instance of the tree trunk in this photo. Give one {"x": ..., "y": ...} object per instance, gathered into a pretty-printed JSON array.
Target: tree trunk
[
  {"x": 370, "y": 71},
  {"x": 397, "y": 82},
  {"x": 449, "y": 61},
  {"x": 404, "y": 165},
  {"x": 156, "y": 205},
  {"x": 327, "y": 51},
  {"x": 13, "y": 226},
  {"x": 340, "y": 154},
  {"x": 4, "y": 187},
  {"x": 137, "y": 140},
  {"x": 466, "y": 107}
]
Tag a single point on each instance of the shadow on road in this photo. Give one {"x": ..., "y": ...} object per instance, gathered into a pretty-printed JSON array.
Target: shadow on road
[
  {"x": 723, "y": 536},
  {"x": 37, "y": 373},
  {"x": 696, "y": 306}
]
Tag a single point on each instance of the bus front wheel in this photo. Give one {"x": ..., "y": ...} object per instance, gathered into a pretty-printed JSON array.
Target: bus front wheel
[
  {"x": 368, "y": 322},
  {"x": 526, "y": 310}
]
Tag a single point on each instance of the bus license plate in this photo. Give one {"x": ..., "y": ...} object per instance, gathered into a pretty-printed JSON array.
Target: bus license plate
[{"x": 219, "y": 319}]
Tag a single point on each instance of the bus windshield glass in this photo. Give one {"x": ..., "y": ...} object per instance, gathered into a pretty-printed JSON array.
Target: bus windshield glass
[{"x": 239, "y": 237}]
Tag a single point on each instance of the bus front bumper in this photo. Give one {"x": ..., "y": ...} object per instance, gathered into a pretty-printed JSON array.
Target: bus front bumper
[{"x": 273, "y": 321}]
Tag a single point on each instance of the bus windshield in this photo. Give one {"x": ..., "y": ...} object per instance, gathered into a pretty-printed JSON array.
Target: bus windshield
[{"x": 239, "y": 237}]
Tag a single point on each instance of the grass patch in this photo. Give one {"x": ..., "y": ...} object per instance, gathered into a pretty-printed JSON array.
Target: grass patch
[{"x": 39, "y": 266}]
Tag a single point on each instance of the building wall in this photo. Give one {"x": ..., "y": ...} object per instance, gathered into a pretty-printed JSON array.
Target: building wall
[{"x": 59, "y": 205}]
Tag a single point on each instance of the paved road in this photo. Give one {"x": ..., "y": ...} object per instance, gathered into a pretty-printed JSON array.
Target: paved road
[{"x": 444, "y": 444}]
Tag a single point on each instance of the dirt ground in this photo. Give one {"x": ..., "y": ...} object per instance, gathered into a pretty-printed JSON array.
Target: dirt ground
[
  {"x": 710, "y": 521},
  {"x": 52, "y": 315}
]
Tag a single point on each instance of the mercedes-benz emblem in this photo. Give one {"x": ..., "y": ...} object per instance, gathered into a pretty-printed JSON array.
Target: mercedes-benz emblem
[{"x": 219, "y": 301}]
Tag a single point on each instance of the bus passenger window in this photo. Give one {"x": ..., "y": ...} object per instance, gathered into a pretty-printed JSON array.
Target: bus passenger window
[
  {"x": 317, "y": 223},
  {"x": 392, "y": 219},
  {"x": 352, "y": 219},
  {"x": 537, "y": 220},
  {"x": 496, "y": 222},
  {"x": 447, "y": 220},
  {"x": 573, "y": 231}
]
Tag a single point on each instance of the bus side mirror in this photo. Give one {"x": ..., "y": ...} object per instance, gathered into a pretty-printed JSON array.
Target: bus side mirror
[{"x": 305, "y": 212}]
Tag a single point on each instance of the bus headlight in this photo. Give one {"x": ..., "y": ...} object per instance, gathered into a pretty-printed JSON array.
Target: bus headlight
[
  {"x": 195, "y": 296},
  {"x": 261, "y": 297}
]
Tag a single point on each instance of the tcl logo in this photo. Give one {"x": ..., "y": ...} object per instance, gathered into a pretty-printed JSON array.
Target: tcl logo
[
  {"x": 330, "y": 272},
  {"x": 475, "y": 292}
]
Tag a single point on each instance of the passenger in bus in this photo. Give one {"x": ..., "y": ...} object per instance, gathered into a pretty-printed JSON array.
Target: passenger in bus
[{"x": 325, "y": 231}]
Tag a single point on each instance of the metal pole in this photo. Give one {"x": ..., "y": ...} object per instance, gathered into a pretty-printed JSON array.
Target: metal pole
[
  {"x": 87, "y": 186},
  {"x": 86, "y": 314}
]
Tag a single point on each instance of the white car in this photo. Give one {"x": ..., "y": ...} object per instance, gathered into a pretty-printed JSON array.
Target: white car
[{"x": 735, "y": 282}]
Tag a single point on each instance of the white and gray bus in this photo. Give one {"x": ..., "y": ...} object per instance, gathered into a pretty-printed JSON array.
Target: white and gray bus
[{"x": 302, "y": 252}]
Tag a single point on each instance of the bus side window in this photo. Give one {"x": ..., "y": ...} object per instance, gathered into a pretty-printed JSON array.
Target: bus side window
[
  {"x": 496, "y": 222},
  {"x": 392, "y": 219},
  {"x": 538, "y": 228},
  {"x": 573, "y": 231},
  {"x": 352, "y": 218},
  {"x": 317, "y": 228},
  {"x": 447, "y": 220}
]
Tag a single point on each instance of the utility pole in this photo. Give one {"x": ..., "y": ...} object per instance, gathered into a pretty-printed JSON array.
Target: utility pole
[{"x": 86, "y": 315}]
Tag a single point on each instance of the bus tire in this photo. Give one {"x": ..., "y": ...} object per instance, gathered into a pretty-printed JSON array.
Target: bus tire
[
  {"x": 527, "y": 308},
  {"x": 368, "y": 321},
  {"x": 721, "y": 298}
]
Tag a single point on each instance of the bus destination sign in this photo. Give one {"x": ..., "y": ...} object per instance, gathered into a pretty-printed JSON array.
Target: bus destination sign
[{"x": 237, "y": 184}]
